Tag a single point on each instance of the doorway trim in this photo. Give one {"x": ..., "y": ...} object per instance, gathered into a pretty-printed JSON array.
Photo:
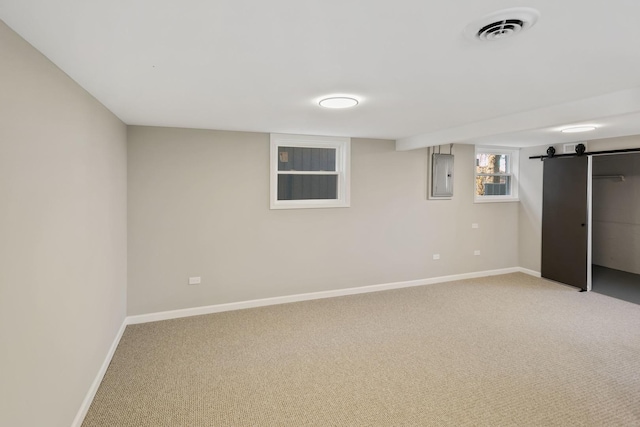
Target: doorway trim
[{"x": 589, "y": 221}]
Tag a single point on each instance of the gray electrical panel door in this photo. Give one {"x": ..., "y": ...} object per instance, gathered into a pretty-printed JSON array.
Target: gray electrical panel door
[{"x": 442, "y": 175}]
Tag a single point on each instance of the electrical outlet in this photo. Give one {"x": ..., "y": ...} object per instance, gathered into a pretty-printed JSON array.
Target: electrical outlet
[
  {"x": 436, "y": 256},
  {"x": 195, "y": 280},
  {"x": 476, "y": 252},
  {"x": 475, "y": 225}
]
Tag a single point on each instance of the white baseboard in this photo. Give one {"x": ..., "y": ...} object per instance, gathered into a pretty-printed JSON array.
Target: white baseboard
[
  {"x": 86, "y": 403},
  {"x": 218, "y": 308},
  {"x": 529, "y": 272}
]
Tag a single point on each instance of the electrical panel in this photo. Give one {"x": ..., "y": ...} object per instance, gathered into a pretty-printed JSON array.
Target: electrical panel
[{"x": 442, "y": 175}]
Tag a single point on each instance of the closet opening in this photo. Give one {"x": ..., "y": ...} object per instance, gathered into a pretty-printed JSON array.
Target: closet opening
[{"x": 615, "y": 266}]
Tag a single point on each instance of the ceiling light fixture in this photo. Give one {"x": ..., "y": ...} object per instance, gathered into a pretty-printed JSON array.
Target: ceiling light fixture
[
  {"x": 577, "y": 129},
  {"x": 338, "y": 102}
]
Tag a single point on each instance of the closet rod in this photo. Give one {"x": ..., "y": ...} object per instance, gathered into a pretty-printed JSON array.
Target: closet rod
[
  {"x": 620, "y": 177},
  {"x": 588, "y": 153}
]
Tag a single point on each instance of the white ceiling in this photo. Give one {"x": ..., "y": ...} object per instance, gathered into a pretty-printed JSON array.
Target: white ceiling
[{"x": 262, "y": 65}]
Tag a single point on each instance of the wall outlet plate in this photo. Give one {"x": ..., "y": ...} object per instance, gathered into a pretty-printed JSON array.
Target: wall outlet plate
[{"x": 195, "y": 280}]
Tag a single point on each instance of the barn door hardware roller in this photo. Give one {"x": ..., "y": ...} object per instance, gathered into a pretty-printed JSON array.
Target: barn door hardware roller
[{"x": 581, "y": 150}]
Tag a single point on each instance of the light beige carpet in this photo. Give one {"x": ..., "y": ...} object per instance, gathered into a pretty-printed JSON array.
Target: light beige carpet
[{"x": 510, "y": 350}]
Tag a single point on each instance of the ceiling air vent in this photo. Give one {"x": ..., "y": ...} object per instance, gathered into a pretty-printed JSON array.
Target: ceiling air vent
[
  {"x": 502, "y": 24},
  {"x": 500, "y": 29}
]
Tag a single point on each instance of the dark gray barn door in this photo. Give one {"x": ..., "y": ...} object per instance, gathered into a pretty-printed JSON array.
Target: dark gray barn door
[{"x": 565, "y": 221}]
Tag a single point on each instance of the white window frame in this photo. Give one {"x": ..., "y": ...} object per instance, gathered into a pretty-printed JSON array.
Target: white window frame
[
  {"x": 343, "y": 162},
  {"x": 513, "y": 171}
]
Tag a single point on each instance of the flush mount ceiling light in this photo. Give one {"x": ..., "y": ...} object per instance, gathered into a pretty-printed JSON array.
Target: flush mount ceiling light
[
  {"x": 577, "y": 129},
  {"x": 502, "y": 24},
  {"x": 338, "y": 102}
]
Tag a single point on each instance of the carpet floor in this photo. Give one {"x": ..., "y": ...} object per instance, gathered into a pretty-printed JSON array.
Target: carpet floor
[{"x": 510, "y": 350}]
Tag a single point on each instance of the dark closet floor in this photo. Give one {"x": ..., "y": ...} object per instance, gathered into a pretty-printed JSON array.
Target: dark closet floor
[{"x": 616, "y": 283}]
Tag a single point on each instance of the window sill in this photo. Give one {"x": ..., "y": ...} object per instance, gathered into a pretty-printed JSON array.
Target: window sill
[
  {"x": 308, "y": 204},
  {"x": 497, "y": 200}
]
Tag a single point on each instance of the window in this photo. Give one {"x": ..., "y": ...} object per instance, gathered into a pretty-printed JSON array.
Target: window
[
  {"x": 309, "y": 171},
  {"x": 496, "y": 174}
]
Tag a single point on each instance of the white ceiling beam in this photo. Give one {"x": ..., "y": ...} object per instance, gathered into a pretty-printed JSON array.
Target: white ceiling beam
[{"x": 576, "y": 112}]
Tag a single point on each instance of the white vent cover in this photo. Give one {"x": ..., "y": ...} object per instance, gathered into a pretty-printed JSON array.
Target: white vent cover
[
  {"x": 571, "y": 148},
  {"x": 502, "y": 24}
]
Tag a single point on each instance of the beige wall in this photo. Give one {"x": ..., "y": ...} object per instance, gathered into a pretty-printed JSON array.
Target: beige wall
[
  {"x": 530, "y": 209},
  {"x": 199, "y": 206},
  {"x": 62, "y": 237},
  {"x": 623, "y": 142}
]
